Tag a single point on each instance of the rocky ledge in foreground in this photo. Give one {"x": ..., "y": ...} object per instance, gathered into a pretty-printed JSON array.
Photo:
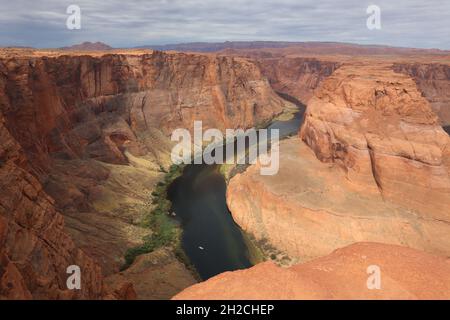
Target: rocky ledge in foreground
[{"x": 404, "y": 274}]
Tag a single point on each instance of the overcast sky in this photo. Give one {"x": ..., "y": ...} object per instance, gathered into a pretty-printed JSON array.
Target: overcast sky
[{"x": 128, "y": 23}]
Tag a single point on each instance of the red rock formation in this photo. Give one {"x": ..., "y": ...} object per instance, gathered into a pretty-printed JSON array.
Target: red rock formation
[
  {"x": 405, "y": 274},
  {"x": 155, "y": 276},
  {"x": 92, "y": 106},
  {"x": 93, "y": 131},
  {"x": 384, "y": 175},
  {"x": 35, "y": 251},
  {"x": 377, "y": 126},
  {"x": 297, "y": 77},
  {"x": 310, "y": 208},
  {"x": 291, "y": 75},
  {"x": 433, "y": 80}
]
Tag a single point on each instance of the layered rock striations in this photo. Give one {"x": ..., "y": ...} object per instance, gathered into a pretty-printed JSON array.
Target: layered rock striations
[
  {"x": 293, "y": 75},
  {"x": 433, "y": 80},
  {"x": 91, "y": 132},
  {"x": 83, "y": 106},
  {"x": 296, "y": 76},
  {"x": 35, "y": 250},
  {"x": 404, "y": 274},
  {"x": 375, "y": 124},
  {"x": 85, "y": 141},
  {"x": 310, "y": 208},
  {"x": 371, "y": 165}
]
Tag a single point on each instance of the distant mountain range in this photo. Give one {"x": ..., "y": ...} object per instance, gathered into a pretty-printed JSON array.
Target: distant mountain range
[
  {"x": 324, "y": 47},
  {"x": 303, "y": 47},
  {"x": 219, "y": 46},
  {"x": 88, "y": 46}
]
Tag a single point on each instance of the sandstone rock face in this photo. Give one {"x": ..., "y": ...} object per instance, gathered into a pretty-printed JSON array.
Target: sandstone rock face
[
  {"x": 375, "y": 124},
  {"x": 383, "y": 174},
  {"x": 35, "y": 251},
  {"x": 91, "y": 133},
  {"x": 155, "y": 276},
  {"x": 96, "y": 106},
  {"x": 405, "y": 274},
  {"x": 433, "y": 80},
  {"x": 291, "y": 75},
  {"x": 297, "y": 77},
  {"x": 310, "y": 208}
]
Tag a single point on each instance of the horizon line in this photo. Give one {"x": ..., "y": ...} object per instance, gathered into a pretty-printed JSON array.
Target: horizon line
[{"x": 148, "y": 46}]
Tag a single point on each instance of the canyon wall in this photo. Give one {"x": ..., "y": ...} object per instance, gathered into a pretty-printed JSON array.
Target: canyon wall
[
  {"x": 35, "y": 250},
  {"x": 84, "y": 106},
  {"x": 296, "y": 76},
  {"x": 366, "y": 180},
  {"x": 87, "y": 136},
  {"x": 372, "y": 164},
  {"x": 375, "y": 124},
  {"x": 291, "y": 75},
  {"x": 433, "y": 80}
]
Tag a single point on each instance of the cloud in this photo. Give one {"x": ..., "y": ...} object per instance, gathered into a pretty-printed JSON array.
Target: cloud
[{"x": 414, "y": 23}]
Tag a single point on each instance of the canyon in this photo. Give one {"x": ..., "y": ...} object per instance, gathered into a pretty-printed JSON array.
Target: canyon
[
  {"x": 370, "y": 165},
  {"x": 84, "y": 143},
  {"x": 86, "y": 139},
  {"x": 433, "y": 81}
]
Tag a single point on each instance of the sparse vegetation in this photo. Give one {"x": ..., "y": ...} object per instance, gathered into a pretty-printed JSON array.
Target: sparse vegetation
[
  {"x": 164, "y": 230},
  {"x": 256, "y": 255},
  {"x": 268, "y": 252}
]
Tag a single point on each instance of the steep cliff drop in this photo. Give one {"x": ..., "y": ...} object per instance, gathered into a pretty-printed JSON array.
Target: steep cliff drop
[
  {"x": 35, "y": 251},
  {"x": 91, "y": 132},
  {"x": 384, "y": 168},
  {"x": 371, "y": 164},
  {"x": 291, "y": 74},
  {"x": 296, "y": 76},
  {"x": 433, "y": 80},
  {"x": 376, "y": 125}
]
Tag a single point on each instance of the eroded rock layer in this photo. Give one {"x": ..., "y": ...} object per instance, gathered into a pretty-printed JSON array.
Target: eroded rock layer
[
  {"x": 433, "y": 80},
  {"x": 75, "y": 106},
  {"x": 297, "y": 77},
  {"x": 35, "y": 251},
  {"x": 373, "y": 166},
  {"x": 310, "y": 208},
  {"x": 376, "y": 125},
  {"x": 91, "y": 132}
]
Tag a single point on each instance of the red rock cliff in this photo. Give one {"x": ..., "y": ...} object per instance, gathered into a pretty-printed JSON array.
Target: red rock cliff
[
  {"x": 91, "y": 133},
  {"x": 297, "y": 77},
  {"x": 35, "y": 251},
  {"x": 89, "y": 106},
  {"x": 373, "y": 166},
  {"x": 433, "y": 80},
  {"x": 377, "y": 126}
]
